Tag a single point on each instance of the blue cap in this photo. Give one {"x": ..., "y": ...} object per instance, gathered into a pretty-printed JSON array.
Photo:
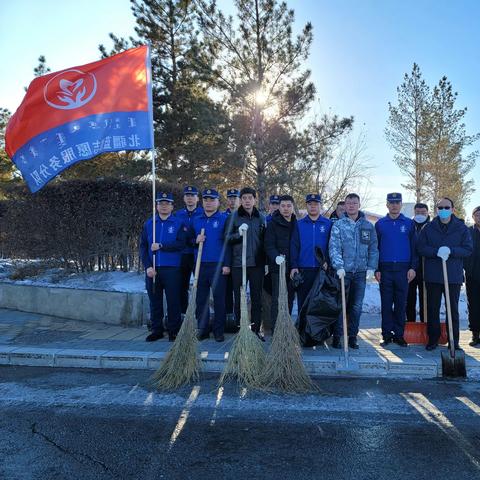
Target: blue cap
[
  {"x": 394, "y": 197},
  {"x": 313, "y": 197},
  {"x": 233, "y": 192},
  {"x": 274, "y": 199},
  {"x": 210, "y": 193},
  {"x": 190, "y": 189},
  {"x": 164, "y": 197}
]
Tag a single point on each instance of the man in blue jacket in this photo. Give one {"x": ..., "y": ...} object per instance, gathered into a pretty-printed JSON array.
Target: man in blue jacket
[
  {"x": 396, "y": 268},
  {"x": 186, "y": 215},
  {"x": 311, "y": 231},
  {"x": 170, "y": 240},
  {"x": 214, "y": 267},
  {"x": 447, "y": 238},
  {"x": 354, "y": 255},
  {"x": 273, "y": 206}
]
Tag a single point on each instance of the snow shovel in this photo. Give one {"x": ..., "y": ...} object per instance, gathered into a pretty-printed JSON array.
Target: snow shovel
[
  {"x": 346, "y": 365},
  {"x": 453, "y": 362}
]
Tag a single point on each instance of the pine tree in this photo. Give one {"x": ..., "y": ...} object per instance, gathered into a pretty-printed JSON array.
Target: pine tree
[
  {"x": 407, "y": 131},
  {"x": 447, "y": 164},
  {"x": 259, "y": 71},
  {"x": 191, "y": 129}
]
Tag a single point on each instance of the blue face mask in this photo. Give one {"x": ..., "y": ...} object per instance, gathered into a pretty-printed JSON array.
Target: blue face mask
[{"x": 444, "y": 214}]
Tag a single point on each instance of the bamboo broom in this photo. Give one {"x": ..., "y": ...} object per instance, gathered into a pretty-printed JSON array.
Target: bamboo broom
[
  {"x": 181, "y": 365},
  {"x": 246, "y": 359},
  {"x": 284, "y": 369}
]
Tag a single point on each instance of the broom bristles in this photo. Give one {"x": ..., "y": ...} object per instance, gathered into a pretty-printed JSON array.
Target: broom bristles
[
  {"x": 246, "y": 359},
  {"x": 181, "y": 365},
  {"x": 284, "y": 368}
]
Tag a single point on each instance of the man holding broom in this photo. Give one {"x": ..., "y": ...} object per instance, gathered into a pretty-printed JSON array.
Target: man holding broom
[
  {"x": 447, "y": 238},
  {"x": 248, "y": 219},
  {"x": 170, "y": 240},
  {"x": 214, "y": 266}
]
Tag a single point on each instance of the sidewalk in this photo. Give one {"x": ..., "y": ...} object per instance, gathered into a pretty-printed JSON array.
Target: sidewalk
[{"x": 37, "y": 340}]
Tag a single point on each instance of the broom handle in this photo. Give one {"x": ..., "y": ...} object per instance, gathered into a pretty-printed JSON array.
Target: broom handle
[
  {"x": 425, "y": 315},
  {"x": 199, "y": 260},
  {"x": 449, "y": 311},
  {"x": 344, "y": 318},
  {"x": 244, "y": 261}
]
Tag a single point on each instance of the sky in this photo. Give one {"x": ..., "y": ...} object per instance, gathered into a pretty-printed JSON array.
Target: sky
[{"x": 360, "y": 52}]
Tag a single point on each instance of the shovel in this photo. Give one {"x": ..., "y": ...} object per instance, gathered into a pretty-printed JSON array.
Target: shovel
[{"x": 453, "y": 362}]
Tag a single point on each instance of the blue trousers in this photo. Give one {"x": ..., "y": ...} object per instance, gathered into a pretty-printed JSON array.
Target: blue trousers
[
  {"x": 210, "y": 277},
  {"x": 168, "y": 279},
  {"x": 355, "y": 284},
  {"x": 393, "y": 293}
]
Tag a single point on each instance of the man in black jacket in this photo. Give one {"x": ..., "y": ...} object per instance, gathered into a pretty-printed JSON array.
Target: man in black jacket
[
  {"x": 248, "y": 218},
  {"x": 472, "y": 274},
  {"x": 447, "y": 238},
  {"x": 277, "y": 242},
  {"x": 420, "y": 219}
]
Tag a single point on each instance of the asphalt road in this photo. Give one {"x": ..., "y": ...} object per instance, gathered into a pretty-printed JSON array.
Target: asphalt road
[{"x": 88, "y": 424}]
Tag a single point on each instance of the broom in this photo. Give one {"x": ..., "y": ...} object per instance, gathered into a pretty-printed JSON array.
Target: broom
[
  {"x": 246, "y": 359},
  {"x": 181, "y": 364},
  {"x": 284, "y": 370}
]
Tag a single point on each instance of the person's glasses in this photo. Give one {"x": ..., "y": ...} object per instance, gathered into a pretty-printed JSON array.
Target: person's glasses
[{"x": 444, "y": 208}]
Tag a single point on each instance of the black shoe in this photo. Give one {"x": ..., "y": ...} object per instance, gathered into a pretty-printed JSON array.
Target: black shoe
[
  {"x": 386, "y": 340},
  {"x": 153, "y": 337},
  {"x": 431, "y": 346},
  {"x": 172, "y": 337},
  {"x": 400, "y": 341},
  {"x": 219, "y": 338},
  {"x": 203, "y": 336},
  {"x": 261, "y": 337},
  {"x": 475, "y": 339},
  {"x": 352, "y": 343},
  {"x": 336, "y": 343}
]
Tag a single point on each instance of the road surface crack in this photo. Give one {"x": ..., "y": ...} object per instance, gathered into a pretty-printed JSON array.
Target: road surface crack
[{"x": 72, "y": 453}]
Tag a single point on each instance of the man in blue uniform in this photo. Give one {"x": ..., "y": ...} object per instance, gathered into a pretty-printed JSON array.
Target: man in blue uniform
[
  {"x": 311, "y": 231},
  {"x": 186, "y": 215},
  {"x": 273, "y": 206},
  {"x": 233, "y": 202},
  {"x": 214, "y": 267},
  {"x": 396, "y": 268},
  {"x": 447, "y": 238},
  {"x": 170, "y": 240}
]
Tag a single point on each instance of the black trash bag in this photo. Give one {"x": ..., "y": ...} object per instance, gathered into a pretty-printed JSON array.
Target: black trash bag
[{"x": 322, "y": 306}]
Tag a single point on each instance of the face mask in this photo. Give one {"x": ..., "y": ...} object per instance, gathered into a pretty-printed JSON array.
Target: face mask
[
  {"x": 444, "y": 214},
  {"x": 420, "y": 218}
]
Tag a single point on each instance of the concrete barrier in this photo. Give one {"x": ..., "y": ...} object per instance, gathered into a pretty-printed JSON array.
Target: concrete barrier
[{"x": 115, "y": 308}]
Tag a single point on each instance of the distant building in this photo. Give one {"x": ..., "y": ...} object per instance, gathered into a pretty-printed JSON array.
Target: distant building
[{"x": 372, "y": 217}]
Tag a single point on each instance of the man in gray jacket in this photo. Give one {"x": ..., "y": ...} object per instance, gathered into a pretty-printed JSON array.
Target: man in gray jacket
[{"x": 354, "y": 255}]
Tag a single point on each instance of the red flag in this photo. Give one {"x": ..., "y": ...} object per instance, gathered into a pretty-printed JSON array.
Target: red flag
[{"x": 80, "y": 112}]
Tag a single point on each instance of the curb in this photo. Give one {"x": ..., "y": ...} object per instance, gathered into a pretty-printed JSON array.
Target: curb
[{"x": 325, "y": 365}]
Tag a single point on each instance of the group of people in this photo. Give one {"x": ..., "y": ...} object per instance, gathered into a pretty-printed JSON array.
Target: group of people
[{"x": 404, "y": 255}]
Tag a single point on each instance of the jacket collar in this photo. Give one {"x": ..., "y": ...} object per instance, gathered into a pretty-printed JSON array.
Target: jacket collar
[
  {"x": 277, "y": 218},
  {"x": 242, "y": 212}
]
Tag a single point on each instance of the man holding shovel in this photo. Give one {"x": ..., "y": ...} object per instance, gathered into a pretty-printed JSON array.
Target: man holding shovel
[{"x": 445, "y": 238}]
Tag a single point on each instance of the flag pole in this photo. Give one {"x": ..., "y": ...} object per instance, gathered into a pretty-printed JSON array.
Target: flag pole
[{"x": 152, "y": 143}]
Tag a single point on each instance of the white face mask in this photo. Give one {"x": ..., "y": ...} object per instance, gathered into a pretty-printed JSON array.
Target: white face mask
[{"x": 420, "y": 218}]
